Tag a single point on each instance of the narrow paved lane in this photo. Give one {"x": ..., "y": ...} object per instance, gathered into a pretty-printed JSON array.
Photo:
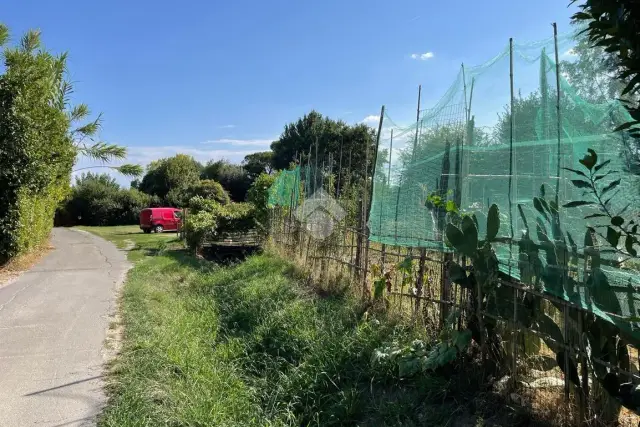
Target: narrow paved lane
[{"x": 53, "y": 325}]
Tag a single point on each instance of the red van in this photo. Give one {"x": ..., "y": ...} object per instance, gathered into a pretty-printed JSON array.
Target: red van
[{"x": 160, "y": 219}]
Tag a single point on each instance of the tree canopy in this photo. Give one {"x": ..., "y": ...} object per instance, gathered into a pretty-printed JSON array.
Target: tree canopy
[
  {"x": 312, "y": 131},
  {"x": 233, "y": 178},
  {"x": 172, "y": 173},
  {"x": 613, "y": 25},
  {"x": 257, "y": 163},
  {"x": 205, "y": 188}
]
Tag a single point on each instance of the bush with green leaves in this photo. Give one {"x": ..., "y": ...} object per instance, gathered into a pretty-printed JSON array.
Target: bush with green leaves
[
  {"x": 258, "y": 195},
  {"x": 209, "y": 220},
  {"x": 98, "y": 200},
  {"x": 206, "y": 188}
]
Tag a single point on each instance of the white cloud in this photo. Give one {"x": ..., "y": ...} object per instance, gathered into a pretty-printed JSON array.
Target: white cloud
[
  {"x": 226, "y": 127},
  {"x": 242, "y": 142},
  {"x": 422, "y": 56},
  {"x": 371, "y": 119},
  {"x": 569, "y": 54},
  {"x": 145, "y": 154}
]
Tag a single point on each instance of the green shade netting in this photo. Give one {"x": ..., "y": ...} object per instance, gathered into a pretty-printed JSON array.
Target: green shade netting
[
  {"x": 474, "y": 149},
  {"x": 286, "y": 188}
]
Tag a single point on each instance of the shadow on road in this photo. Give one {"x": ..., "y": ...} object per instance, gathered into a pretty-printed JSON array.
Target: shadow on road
[{"x": 63, "y": 386}]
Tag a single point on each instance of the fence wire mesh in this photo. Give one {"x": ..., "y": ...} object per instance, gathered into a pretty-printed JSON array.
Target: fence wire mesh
[{"x": 559, "y": 320}]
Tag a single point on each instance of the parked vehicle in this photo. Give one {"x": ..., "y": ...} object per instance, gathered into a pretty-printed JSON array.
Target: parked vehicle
[{"x": 160, "y": 219}]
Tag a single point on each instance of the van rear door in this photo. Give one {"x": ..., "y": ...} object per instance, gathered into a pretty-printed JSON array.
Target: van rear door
[{"x": 145, "y": 218}]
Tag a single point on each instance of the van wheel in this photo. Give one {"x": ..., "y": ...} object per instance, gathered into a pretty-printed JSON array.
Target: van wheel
[
  {"x": 147, "y": 231},
  {"x": 158, "y": 228}
]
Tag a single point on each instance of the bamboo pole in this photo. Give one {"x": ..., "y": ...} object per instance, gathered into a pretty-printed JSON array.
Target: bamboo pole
[
  {"x": 375, "y": 159},
  {"x": 415, "y": 141},
  {"x": 339, "y": 168},
  {"x": 511, "y": 123},
  {"x": 559, "y": 119},
  {"x": 388, "y": 186},
  {"x": 366, "y": 204}
]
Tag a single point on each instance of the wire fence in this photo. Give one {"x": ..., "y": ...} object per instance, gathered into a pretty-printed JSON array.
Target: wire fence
[{"x": 527, "y": 361}]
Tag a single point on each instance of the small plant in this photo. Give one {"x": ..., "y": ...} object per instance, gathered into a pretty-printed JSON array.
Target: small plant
[
  {"x": 435, "y": 200},
  {"x": 382, "y": 276},
  {"x": 417, "y": 358}
]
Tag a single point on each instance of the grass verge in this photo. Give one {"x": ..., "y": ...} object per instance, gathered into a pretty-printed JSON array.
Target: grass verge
[
  {"x": 18, "y": 265},
  {"x": 252, "y": 345}
]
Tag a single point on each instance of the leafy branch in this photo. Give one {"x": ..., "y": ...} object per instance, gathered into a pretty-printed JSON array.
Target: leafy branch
[
  {"x": 4, "y": 34},
  {"x": 127, "y": 170},
  {"x": 592, "y": 181}
]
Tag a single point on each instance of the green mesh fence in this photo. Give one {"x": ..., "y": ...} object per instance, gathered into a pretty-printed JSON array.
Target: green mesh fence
[
  {"x": 285, "y": 191},
  {"x": 474, "y": 149}
]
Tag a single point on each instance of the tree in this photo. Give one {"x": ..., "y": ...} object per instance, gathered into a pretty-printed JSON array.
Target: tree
[
  {"x": 206, "y": 188},
  {"x": 173, "y": 173},
  {"x": 233, "y": 178},
  {"x": 258, "y": 163},
  {"x": 594, "y": 76},
  {"x": 613, "y": 25},
  {"x": 593, "y": 73},
  {"x": 335, "y": 137}
]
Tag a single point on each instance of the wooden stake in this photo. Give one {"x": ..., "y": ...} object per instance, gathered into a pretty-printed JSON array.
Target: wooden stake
[
  {"x": 567, "y": 351},
  {"x": 584, "y": 404}
]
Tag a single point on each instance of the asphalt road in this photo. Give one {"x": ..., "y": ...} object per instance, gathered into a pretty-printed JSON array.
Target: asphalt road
[{"x": 53, "y": 325}]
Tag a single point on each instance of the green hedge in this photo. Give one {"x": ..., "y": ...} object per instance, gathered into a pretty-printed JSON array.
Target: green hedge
[
  {"x": 97, "y": 200},
  {"x": 36, "y": 149},
  {"x": 36, "y": 216}
]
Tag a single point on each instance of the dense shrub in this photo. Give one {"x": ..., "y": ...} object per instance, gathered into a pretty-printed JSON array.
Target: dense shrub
[
  {"x": 37, "y": 152},
  {"x": 258, "y": 195},
  {"x": 99, "y": 200},
  {"x": 206, "y": 188},
  {"x": 208, "y": 219}
]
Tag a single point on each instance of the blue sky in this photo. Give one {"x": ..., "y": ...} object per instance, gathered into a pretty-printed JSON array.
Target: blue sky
[{"x": 220, "y": 79}]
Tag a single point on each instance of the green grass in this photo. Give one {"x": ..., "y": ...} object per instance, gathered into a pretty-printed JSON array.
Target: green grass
[
  {"x": 251, "y": 345},
  {"x": 130, "y": 237}
]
